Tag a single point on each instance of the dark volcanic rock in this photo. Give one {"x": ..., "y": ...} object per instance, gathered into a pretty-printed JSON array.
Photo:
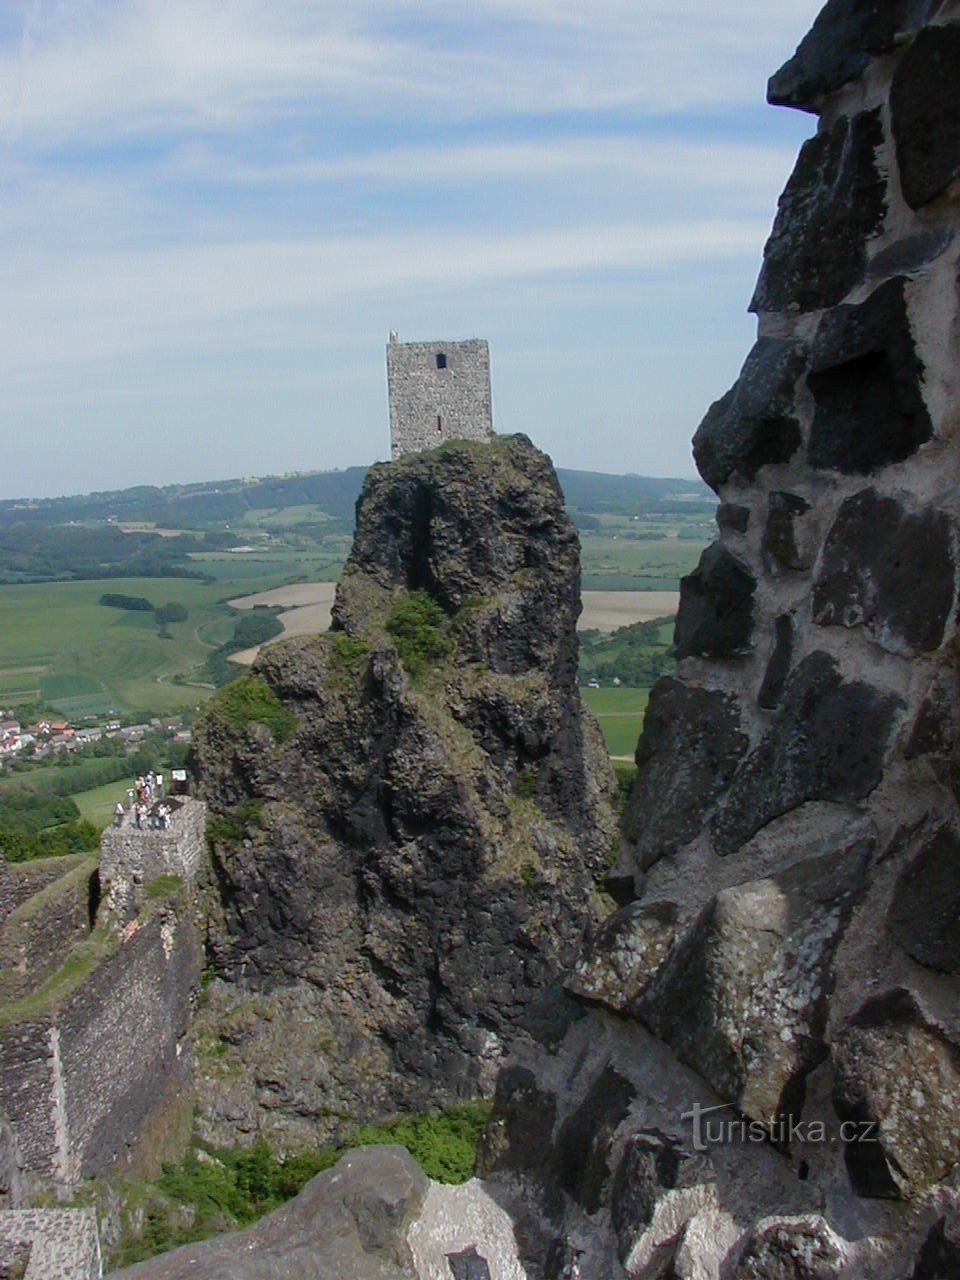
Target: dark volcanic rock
[
  {"x": 925, "y": 910},
  {"x": 581, "y": 1152},
  {"x": 827, "y": 741},
  {"x": 715, "y": 618},
  {"x": 839, "y": 46},
  {"x": 518, "y": 1139},
  {"x": 691, "y": 744},
  {"x": 419, "y": 857},
  {"x": 616, "y": 969},
  {"x": 656, "y": 1177},
  {"x": 755, "y": 423},
  {"x": 733, "y": 518},
  {"x": 925, "y": 111},
  {"x": 905, "y": 256},
  {"x": 350, "y": 1221},
  {"x": 778, "y": 668},
  {"x": 889, "y": 569},
  {"x": 468, "y": 1265},
  {"x": 782, "y": 550},
  {"x": 866, "y": 382},
  {"x": 898, "y": 1080},
  {"x": 940, "y": 1256},
  {"x": 834, "y": 202}
]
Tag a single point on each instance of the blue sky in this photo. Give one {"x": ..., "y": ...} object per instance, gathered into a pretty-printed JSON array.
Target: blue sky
[{"x": 213, "y": 211}]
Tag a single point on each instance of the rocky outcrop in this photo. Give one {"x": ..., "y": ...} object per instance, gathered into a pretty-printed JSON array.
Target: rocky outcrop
[
  {"x": 777, "y": 996},
  {"x": 406, "y": 858}
]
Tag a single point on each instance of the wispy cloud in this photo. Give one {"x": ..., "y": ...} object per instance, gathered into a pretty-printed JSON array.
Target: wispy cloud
[{"x": 140, "y": 65}]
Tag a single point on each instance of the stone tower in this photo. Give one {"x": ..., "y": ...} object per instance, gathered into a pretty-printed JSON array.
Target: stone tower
[{"x": 438, "y": 391}]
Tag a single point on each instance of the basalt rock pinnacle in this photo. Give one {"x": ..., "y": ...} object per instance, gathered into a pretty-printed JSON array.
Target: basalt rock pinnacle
[{"x": 409, "y": 812}]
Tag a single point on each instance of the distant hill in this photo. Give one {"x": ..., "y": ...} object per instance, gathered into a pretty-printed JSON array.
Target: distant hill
[{"x": 100, "y": 535}]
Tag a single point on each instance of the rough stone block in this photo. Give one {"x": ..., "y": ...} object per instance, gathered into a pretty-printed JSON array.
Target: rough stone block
[
  {"x": 925, "y": 111},
  {"x": 733, "y": 518},
  {"x": 742, "y": 999},
  {"x": 834, "y": 202},
  {"x": 866, "y": 380},
  {"x": 715, "y": 618},
  {"x": 690, "y": 747},
  {"x": 755, "y": 423},
  {"x": 839, "y": 46},
  {"x": 784, "y": 549},
  {"x": 616, "y": 969},
  {"x": 900, "y": 1078},
  {"x": 778, "y": 668},
  {"x": 801, "y": 1248},
  {"x": 925, "y": 908},
  {"x": 827, "y": 741},
  {"x": 889, "y": 569}
]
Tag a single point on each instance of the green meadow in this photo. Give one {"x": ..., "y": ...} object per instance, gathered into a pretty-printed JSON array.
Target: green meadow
[{"x": 620, "y": 715}]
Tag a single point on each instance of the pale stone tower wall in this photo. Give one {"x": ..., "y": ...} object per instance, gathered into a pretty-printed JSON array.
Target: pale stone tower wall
[{"x": 438, "y": 391}]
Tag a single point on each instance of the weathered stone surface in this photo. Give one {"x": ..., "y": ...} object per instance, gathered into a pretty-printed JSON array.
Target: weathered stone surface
[
  {"x": 416, "y": 863},
  {"x": 866, "y": 382},
  {"x": 755, "y": 423},
  {"x": 834, "y": 202},
  {"x": 581, "y": 1152},
  {"x": 925, "y": 112},
  {"x": 743, "y": 997},
  {"x": 900, "y": 1078},
  {"x": 733, "y": 518},
  {"x": 11, "y": 1188},
  {"x": 616, "y": 969},
  {"x": 889, "y": 569},
  {"x": 924, "y": 914},
  {"x": 715, "y": 619},
  {"x": 934, "y": 729},
  {"x": 778, "y": 668},
  {"x": 350, "y": 1221},
  {"x": 783, "y": 551},
  {"x": 690, "y": 746},
  {"x": 802, "y": 1248},
  {"x": 939, "y": 1258},
  {"x": 827, "y": 741},
  {"x": 839, "y": 46},
  {"x": 658, "y": 1187}
]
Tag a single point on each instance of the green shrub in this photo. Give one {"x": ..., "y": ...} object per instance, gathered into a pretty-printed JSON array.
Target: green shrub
[
  {"x": 213, "y": 1191},
  {"x": 250, "y": 700},
  {"x": 626, "y": 775},
  {"x": 231, "y": 827},
  {"x": 163, "y": 887},
  {"x": 524, "y": 785},
  {"x": 414, "y": 625}
]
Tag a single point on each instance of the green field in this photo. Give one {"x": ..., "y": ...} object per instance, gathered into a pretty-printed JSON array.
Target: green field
[
  {"x": 617, "y": 558},
  {"x": 620, "y": 714},
  {"x": 97, "y": 806},
  {"x": 59, "y": 644}
]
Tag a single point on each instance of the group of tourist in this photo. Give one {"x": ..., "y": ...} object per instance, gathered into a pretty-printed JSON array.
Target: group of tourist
[{"x": 146, "y": 804}]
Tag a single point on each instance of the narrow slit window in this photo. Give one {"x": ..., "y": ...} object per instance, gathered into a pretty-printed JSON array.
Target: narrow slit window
[
  {"x": 441, "y": 360},
  {"x": 439, "y": 425}
]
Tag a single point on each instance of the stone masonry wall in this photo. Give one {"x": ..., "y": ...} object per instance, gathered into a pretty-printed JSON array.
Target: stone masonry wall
[
  {"x": 122, "y": 1039},
  {"x": 80, "y": 1082},
  {"x": 38, "y": 934},
  {"x": 430, "y": 404},
  {"x": 131, "y": 857},
  {"x": 56, "y": 1244},
  {"x": 789, "y": 938}
]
